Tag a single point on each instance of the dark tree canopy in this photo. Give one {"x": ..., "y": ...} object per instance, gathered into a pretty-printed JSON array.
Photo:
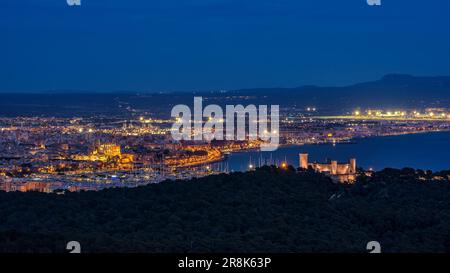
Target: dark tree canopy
[{"x": 267, "y": 210}]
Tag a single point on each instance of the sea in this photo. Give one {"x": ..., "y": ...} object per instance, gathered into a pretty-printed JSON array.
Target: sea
[{"x": 426, "y": 151}]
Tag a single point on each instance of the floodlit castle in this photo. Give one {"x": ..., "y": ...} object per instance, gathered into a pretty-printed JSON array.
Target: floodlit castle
[{"x": 344, "y": 172}]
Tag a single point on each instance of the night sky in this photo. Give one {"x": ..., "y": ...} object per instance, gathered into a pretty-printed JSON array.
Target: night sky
[{"x": 161, "y": 45}]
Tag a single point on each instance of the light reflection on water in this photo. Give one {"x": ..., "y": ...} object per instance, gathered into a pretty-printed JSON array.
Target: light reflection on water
[{"x": 428, "y": 151}]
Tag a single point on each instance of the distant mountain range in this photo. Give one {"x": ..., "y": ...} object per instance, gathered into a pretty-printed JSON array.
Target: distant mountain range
[{"x": 391, "y": 91}]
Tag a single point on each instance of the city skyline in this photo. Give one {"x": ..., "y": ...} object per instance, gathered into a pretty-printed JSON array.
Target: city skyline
[{"x": 228, "y": 129}]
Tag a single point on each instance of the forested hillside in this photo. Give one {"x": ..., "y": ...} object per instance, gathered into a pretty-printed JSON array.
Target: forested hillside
[{"x": 268, "y": 210}]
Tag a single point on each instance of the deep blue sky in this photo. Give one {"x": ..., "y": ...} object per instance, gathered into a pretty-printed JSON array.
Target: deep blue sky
[{"x": 156, "y": 45}]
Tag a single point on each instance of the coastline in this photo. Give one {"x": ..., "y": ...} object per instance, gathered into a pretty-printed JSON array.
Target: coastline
[
  {"x": 426, "y": 151},
  {"x": 353, "y": 140}
]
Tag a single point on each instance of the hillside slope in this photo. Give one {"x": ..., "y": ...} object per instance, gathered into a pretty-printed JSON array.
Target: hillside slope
[{"x": 264, "y": 211}]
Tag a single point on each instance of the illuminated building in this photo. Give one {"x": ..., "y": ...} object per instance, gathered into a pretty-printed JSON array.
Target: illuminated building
[
  {"x": 10, "y": 186},
  {"x": 107, "y": 150},
  {"x": 304, "y": 161},
  {"x": 108, "y": 153},
  {"x": 344, "y": 172}
]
